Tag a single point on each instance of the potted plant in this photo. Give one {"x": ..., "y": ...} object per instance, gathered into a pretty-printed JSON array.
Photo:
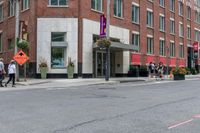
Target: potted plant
[
  {"x": 103, "y": 43},
  {"x": 179, "y": 73},
  {"x": 43, "y": 68},
  {"x": 70, "y": 69}
]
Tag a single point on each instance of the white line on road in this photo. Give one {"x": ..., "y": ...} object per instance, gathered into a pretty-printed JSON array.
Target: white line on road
[{"x": 179, "y": 124}]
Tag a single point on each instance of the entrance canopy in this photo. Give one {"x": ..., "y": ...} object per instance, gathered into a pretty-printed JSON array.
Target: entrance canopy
[{"x": 117, "y": 46}]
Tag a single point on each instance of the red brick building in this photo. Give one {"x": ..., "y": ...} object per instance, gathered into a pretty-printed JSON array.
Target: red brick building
[{"x": 143, "y": 31}]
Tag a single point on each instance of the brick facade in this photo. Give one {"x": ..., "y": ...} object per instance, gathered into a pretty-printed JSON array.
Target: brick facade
[{"x": 82, "y": 9}]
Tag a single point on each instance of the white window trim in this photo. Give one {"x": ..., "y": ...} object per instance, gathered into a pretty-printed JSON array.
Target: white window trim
[
  {"x": 161, "y": 15},
  {"x": 172, "y": 41},
  {"x": 150, "y": 10},
  {"x": 172, "y": 19},
  {"x": 135, "y": 32},
  {"x": 161, "y": 38},
  {"x": 136, "y": 4},
  {"x": 150, "y": 36}
]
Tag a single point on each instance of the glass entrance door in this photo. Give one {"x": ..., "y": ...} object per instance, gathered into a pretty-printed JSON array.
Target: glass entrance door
[{"x": 100, "y": 64}]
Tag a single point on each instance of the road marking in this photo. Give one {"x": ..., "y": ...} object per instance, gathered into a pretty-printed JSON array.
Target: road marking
[
  {"x": 179, "y": 124},
  {"x": 197, "y": 116}
]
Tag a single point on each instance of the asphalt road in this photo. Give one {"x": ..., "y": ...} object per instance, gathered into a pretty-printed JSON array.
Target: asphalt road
[{"x": 155, "y": 107}]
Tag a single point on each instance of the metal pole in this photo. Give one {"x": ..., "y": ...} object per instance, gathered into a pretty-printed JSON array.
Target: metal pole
[
  {"x": 16, "y": 34},
  {"x": 107, "y": 75}
]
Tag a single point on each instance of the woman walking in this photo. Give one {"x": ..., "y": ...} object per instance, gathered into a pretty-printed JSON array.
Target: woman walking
[{"x": 11, "y": 72}]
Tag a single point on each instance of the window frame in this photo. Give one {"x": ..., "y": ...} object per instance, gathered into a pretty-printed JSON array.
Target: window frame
[
  {"x": 116, "y": 10},
  {"x": 149, "y": 22},
  {"x": 96, "y": 8},
  {"x": 136, "y": 47},
  {"x": 162, "y": 47},
  {"x": 58, "y": 5},
  {"x": 150, "y": 46}
]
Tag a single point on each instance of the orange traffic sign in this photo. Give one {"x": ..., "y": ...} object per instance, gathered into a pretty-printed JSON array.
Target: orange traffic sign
[{"x": 21, "y": 57}]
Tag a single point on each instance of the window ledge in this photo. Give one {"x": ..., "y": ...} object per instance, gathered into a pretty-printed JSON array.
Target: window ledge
[
  {"x": 1, "y": 21},
  {"x": 189, "y": 19},
  {"x": 162, "y": 6},
  {"x": 97, "y": 11},
  {"x": 181, "y": 36},
  {"x": 189, "y": 39},
  {"x": 171, "y": 11},
  {"x": 11, "y": 17},
  {"x": 162, "y": 31},
  {"x": 172, "y": 34},
  {"x": 135, "y": 23},
  {"x": 25, "y": 10},
  {"x": 118, "y": 17},
  {"x": 54, "y": 6},
  {"x": 150, "y": 27}
]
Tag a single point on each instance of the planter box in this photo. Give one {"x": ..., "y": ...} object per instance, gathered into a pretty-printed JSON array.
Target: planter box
[
  {"x": 43, "y": 71},
  {"x": 179, "y": 77},
  {"x": 70, "y": 72}
]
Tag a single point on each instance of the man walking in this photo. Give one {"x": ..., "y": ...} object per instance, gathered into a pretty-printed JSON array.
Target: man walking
[
  {"x": 11, "y": 72},
  {"x": 1, "y": 71}
]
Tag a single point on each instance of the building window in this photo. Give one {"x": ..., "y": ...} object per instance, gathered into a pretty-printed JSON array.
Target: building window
[
  {"x": 162, "y": 3},
  {"x": 172, "y": 49},
  {"x": 180, "y": 8},
  {"x": 11, "y": 8},
  {"x": 150, "y": 45},
  {"x": 25, "y": 4},
  {"x": 10, "y": 44},
  {"x": 162, "y": 47},
  {"x": 172, "y": 25},
  {"x": 181, "y": 32},
  {"x": 181, "y": 51},
  {"x": 188, "y": 32},
  {"x": 58, "y": 50},
  {"x": 135, "y": 41},
  {"x": 172, "y": 3},
  {"x": 150, "y": 18},
  {"x": 1, "y": 12},
  {"x": 162, "y": 23},
  {"x": 58, "y": 2},
  {"x": 1, "y": 41},
  {"x": 196, "y": 35},
  {"x": 118, "y": 8},
  {"x": 196, "y": 16},
  {"x": 135, "y": 14},
  {"x": 97, "y": 5},
  {"x": 188, "y": 12}
]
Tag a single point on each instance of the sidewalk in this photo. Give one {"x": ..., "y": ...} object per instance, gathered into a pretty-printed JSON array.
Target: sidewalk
[{"x": 92, "y": 81}]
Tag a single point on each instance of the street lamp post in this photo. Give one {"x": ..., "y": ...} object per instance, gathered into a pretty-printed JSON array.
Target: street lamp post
[
  {"x": 17, "y": 34},
  {"x": 107, "y": 74}
]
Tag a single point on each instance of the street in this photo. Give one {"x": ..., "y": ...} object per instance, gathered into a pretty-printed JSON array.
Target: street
[{"x": 133, "y": 107}]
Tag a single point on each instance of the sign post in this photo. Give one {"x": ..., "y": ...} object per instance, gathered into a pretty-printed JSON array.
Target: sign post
[{"x": 21, "y": 58}]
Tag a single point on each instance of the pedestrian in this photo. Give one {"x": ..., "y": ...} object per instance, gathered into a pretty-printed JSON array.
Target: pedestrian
[
  {"x": 11, "y": 72},
  {"x": 150, "y": 69},
  {"x": 160, "y": 70},
  {"x": 2, "y": 72}
]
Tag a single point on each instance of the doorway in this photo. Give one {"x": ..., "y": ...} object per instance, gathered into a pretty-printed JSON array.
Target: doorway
[{"x": 100, "y": 64}]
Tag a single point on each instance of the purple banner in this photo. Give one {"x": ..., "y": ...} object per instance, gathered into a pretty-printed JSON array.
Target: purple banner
[{"x": 102, "y": 26}]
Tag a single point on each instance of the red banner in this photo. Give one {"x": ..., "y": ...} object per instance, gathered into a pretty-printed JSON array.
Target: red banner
[
  {"x": 136, "y": 59},
  {"x": 150, "y": 58},
  {"x": 172, "y": 62},
  {"x": 163, "y": 60},
  {"x": 182, "y": 63}
]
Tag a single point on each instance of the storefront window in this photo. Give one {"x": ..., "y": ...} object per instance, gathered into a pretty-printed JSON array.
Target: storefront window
[{"x": 58, "y": 50}]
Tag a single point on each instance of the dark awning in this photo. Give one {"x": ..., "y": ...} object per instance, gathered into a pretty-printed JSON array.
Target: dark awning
[{"x": 118, "y": 46}]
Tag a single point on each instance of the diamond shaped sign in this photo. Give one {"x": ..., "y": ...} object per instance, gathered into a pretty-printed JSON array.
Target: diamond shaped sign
[{"x": 21, "y": 57}]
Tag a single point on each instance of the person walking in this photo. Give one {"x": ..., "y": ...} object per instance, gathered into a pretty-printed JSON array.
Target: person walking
[
  {"x": 2, "y": 72},
  {"x": 11, "y": 72}
]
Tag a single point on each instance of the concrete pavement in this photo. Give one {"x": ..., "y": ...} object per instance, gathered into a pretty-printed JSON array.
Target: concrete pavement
[{"x": 92, "y": 81}]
